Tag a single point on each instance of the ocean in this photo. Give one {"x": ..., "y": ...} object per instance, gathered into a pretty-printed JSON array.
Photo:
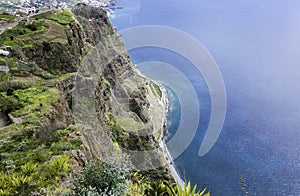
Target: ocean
[{"x": 256, "y": 45}]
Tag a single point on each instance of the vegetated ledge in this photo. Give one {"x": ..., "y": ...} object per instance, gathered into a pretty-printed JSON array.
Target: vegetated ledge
[{"x": 40, "y": 90}]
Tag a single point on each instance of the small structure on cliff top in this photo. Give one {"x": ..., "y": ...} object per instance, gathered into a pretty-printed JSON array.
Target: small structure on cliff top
[
  {"x": 4, "y": 68},
  {"x": 27, "y": 10},
  {"x": 24, "y": 66},
  {"x": 4, "y": 52}
]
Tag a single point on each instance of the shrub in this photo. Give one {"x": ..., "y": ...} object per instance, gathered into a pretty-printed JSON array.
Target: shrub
[
  {"x": 61, "y": 146},
  {"x": 13, "y": 85},
  {"x": 157, "y": 90},
  {"x": 9, "y": 104},
  {"x": 61, "y": 134},
  {"x": 59, "y": 166},
  {"x": 163, "y": 188},
  {"x": 15, "y": 184},
  {"x": 187, "y": 190},
  {"x": 28, "y": 169},
  {"x": 46, "y": 46},
  {"x": 100, "y": 178}
]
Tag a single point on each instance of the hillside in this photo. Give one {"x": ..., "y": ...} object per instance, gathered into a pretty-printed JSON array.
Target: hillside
[
  {"x": 46, "y": 141},
  {"x": 78, "y": 117}
]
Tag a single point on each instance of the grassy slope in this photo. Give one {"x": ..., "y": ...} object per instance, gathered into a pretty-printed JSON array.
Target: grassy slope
[
  {"x": 36, "y": 31},
  {"x": 29, "y": 161},
  {"x": 7, "y": 18}
]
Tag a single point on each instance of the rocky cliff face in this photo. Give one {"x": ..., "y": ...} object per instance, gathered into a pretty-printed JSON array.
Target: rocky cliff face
[
  {"x": 88, "y": 81},
  {"x": 129, "y": 108}
]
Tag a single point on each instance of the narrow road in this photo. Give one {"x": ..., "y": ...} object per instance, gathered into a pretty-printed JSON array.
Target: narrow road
[
  {"x": 170, "y": 163},
  {"x": 16, "y": 22}
]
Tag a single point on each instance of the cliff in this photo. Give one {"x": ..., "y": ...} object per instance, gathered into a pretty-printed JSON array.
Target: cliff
[
  {"x": 129, "y": 107},
  {"x": 72, "y": 89}
]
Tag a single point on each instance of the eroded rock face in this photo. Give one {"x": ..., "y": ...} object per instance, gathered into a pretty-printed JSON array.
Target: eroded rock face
[
  {"x": 129, "y": 111},
  {"x": 55, "y": 57},
  {"x": 117, "y": 110},
  {"x": 66, "y": 88},
  {"x": 94, "y": 22}
]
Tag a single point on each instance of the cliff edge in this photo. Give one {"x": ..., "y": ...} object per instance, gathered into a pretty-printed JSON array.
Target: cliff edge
[
  {"x": 73, "y": 95},
  {"x": 130, "y": 110}
]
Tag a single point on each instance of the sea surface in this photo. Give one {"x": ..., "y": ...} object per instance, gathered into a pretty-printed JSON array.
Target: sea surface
[{"x": 256, "y": 44}]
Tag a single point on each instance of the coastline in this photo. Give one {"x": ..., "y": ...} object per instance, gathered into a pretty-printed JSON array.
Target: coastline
[
  {"x": 167, "y": 156},
  {"x": 170, "y": 163},
  {"x": 90, "y": 148},
  {"x": 162, "y": 143}
]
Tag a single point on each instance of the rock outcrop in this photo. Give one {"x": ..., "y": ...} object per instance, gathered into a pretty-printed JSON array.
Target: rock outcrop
[{"x": 128, "y": 107}]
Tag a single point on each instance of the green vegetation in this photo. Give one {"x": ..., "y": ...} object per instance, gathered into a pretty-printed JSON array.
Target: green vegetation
[
  {"x": 35, "y": 152},
  {"x": 187, "y": 190},
  {"x": 2, "y": 61},
  {"x": 51, "y": 82},
  {"x": 32, "y": 177},
  {"x": 35, "y": 99},
  {"x": 63, "y": 17},
  {"x": 59, "y": 40},
  {"x": 37, "y": 44},
  {"x": 20, "y": 34},
  {"x": 23, "y": 66},
  {"x": 100, "y": 178},
  {"x": 38, "y": 29},
  {"x": 157, "y": 89},
  {"x": 34, "y": 158},
  {"x": 13, "y": 85},
  {"x": 4, "y": 76},
  {"x": 7, "y": 18},
  {"x": 164, "y": 188},
  {"x": 30, "y": 162}
]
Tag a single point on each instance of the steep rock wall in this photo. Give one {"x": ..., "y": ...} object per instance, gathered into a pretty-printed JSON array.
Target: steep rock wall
[{"x": 129, "y": 107}]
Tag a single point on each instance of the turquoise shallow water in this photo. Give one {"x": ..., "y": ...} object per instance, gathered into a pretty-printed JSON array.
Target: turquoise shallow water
[{"x": 256, "y": 44}]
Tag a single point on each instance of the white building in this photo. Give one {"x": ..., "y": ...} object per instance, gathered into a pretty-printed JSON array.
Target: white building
[
  {"x": 4, "y": 68},
  {"x": 24, "y": 2},
  {"x": 27, "y": 10},
  {"x": 4, "y": 52}
]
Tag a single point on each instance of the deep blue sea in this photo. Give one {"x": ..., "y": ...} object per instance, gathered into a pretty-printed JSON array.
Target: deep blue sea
[{"x": 256, "y": 44}]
